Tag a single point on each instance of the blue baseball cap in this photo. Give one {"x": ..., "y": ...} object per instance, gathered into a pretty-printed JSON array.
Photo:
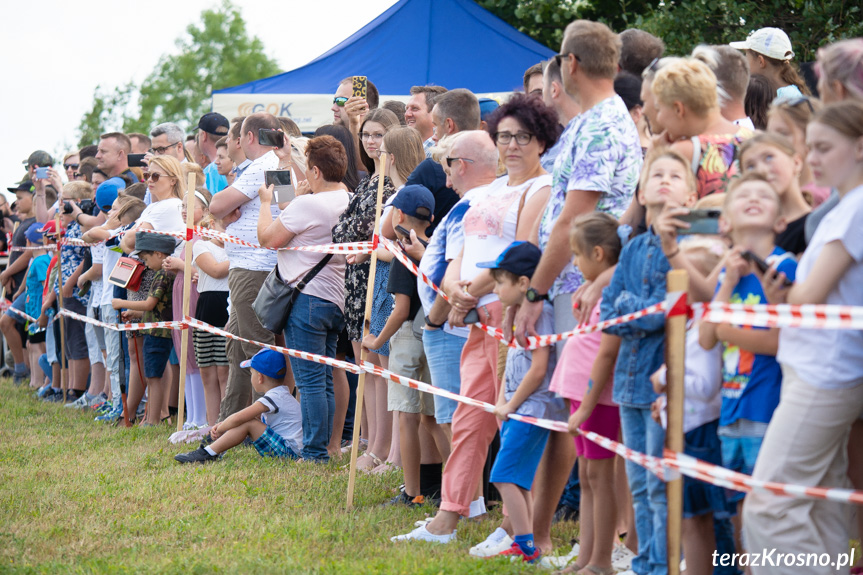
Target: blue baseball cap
[
  {"x": 486, "y": 107},
  {"x": 520, "y": 258},
  {"x": 415, "y": 201},
  {"x": 106, "y": 193},
  {"x": 268, "y": 362},
  {"x": 34, "y": 233}
]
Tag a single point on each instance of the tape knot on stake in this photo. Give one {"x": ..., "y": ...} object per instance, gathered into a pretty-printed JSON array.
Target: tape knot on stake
[
  {"x": 676, "y": 304},
  {"x": 375, "y": 240},
  {"x": 189, "y": 233}
]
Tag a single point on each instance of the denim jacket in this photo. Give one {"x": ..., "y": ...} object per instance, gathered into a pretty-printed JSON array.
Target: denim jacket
[{"x": 638, "y": 282}]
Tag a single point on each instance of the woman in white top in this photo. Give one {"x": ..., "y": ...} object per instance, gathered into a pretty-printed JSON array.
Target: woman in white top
[
  {"x": 317, "y": 316},
  {"x": 167, "y": 186},
  {"x": 822, "y": 369},
  {"x": 508, "y": 210}
]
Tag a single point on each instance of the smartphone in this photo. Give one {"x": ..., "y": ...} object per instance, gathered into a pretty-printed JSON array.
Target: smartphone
[
  {"x": 704, "y": 222},
  {"x": 283, "y": 188},
  {"x": 471, "y": 317},
  {"x": 360, "y": 86},
  {"x": 41, "y": 173},
  {"x": 406, "y": 233},
  {"x": 273, "y": 138},
  {"x": 762, "y": 265},
  {"x": 136, "y": 161}
]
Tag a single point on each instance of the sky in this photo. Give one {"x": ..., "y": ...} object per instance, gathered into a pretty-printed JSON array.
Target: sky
[{"x": 56, "y": 52}]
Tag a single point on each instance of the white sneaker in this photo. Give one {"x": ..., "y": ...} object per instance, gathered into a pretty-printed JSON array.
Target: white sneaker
[
  {"x": 621, "y": 557},
  {"x": 79, "y": 403},
  {"x": 495, "y": 543},
  {"x": 560, "y": 561},
  {"x": 423, "y": 534}
]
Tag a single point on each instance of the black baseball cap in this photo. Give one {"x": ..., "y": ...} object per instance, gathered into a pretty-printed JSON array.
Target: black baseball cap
[
  {"x": 25, "y": 186},
  {"x": 520, "y": 258},
  {"x": 214, "y": 123}
]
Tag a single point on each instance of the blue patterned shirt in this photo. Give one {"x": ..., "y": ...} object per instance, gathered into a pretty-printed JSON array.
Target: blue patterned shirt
[{"x": 600, "y": 152}]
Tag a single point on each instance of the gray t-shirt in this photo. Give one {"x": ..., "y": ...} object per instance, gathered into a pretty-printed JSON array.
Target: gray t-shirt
[
  {"x": 283, "y": 416},
  {"x": 542, "y": 402}
]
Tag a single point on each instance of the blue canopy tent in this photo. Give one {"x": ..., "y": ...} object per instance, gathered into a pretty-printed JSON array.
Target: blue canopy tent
[{"x": 451, "y": 43}]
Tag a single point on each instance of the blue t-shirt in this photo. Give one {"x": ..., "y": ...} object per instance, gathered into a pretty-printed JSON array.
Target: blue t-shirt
[
  {"x": 542, "y": 402},
  {"x": 214, "y": 180},
  {"x": 751, "y": 382},
  {"x": 36, "y": 275}
]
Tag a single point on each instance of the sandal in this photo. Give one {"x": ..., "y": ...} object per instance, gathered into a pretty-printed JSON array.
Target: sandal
[
  {"x": 594, "y": 570},
  {"x": 371, "y": 457}
]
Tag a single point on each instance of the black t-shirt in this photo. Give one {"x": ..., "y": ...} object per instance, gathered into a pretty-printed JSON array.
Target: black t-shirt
[
  {"x": 793, "y": 238},
  {"x": 20, "y": 240},
  {"x": 431, "y": 175},
  {"x": 403, "y": 281}
]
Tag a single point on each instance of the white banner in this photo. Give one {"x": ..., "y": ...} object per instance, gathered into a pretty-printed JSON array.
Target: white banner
[{"x": 309, "y": 111}]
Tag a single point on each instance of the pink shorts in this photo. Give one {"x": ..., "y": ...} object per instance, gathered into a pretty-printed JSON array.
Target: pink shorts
[{"x": 605, "y": 421}]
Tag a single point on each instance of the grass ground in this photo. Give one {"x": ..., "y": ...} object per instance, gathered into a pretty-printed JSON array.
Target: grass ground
[{"x": 80, "y": 497}]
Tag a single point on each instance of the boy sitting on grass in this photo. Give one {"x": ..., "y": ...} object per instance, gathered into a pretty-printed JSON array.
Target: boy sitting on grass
[
  {"x": 281, "y": 432},
  {"x": 524, "y": 391}
]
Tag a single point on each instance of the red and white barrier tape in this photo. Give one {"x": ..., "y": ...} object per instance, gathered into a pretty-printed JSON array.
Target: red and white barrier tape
[
  {"x": 784, "y": 315},
  {"x": 347, "y": 248},
  {"x": 124, "y": 326},
  {"x": 32, "y": 248},
  {"x": 399, "y": 254}
]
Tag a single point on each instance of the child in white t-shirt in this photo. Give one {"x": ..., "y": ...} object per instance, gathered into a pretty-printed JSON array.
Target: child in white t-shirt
[{"x": 281, "y": 432}]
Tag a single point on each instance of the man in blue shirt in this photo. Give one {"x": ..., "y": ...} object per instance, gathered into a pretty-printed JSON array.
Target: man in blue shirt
[{"x": 213, "y": 126}]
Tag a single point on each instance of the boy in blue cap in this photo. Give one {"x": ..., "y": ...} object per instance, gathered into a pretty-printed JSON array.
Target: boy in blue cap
[
  {"x": 524, "y": 391},
  {"x": 281, "y": 432}
]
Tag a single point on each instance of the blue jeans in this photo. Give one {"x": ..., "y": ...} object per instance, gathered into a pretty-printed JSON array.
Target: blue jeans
[
  {"x": 314, "y": 327},
  {"x": 643, "y": 434},
  {"x": 443, "y": 354},
  {"x": 571, "y": 496}
]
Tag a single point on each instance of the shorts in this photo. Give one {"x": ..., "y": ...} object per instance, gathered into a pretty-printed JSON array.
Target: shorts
[
  {"x": 19, "y": 304},
  {"x": 443, "y": 353},
  {"x": 739, "y": 454},
  {"x": 604, "y": 421},
  {"x": 38, "y": 337},
  {"x": 271, "y": 444},
  {"x": 76, "y": 339},
  {"x": 157, "y": 350},
  {"x": 407, "y": 358},
  {"x": 699, "y": 497},
  {"x": 209, "y": 348},
  {"x": 521, "y": 448}
]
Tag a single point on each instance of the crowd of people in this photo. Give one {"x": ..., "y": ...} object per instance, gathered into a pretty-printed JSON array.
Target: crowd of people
[{"x": 564, "y": 205}]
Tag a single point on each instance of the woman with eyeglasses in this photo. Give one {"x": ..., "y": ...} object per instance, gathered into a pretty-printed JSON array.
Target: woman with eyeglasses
[
  {"x": 508, "y": 209},
  {"x": 356, "y": 224}
]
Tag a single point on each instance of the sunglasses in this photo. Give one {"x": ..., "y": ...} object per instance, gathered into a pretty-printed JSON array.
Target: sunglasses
[
  {"x": 558, "y": 58},
  {"x": 72, "y": 166},
  {"x": 450, "y": 160},
  {"x": 340, "y": 101},
  {"x": 154, "y": 176}
]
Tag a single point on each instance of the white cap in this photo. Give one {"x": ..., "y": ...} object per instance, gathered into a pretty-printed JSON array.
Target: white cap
[{"x": 770, "y": 42}]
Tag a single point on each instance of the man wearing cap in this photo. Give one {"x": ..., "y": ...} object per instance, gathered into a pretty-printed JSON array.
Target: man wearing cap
[
  {"x": 112, "y": 156},
  {"x": 12, "y": 278},
  {"x": 38, "y": 159},
  {"x": 238, "y": 205},
  {"x": 769, "y": 53},
  {"x": 212, "y": 126}
]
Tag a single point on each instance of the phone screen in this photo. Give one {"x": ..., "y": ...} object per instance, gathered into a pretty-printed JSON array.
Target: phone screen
[
  {"x": 272, "y": 138},
  {"x": 283, "y": 188},
  {"x": 360, "y": 86},
  {"x": 704, "y": 222}
]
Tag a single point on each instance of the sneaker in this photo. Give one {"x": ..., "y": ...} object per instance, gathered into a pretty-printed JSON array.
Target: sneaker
[
  {"x": 565, "y": 513},
  {"x": 80, "y": 403},
  {"x": 21, "y": 378},
  {"x": 97, "y": 400},
  {"x": 423, "y": 534},
  {"x": 44, "y": 390},
  {"x": 515, "y": 552},
  {"x": 404, "y": 499},
  {"x": 200, "y": 455},
  {"x": 561, "y": 561},
  {"x": 139, "y": 413},
  {"x": 110, "y": 416},
  {"x": 53, "y": 396},
  {"x": 494, "y": 544},
  {"x": 106, "y": 407},
  {"x": 621, "y": 557}
]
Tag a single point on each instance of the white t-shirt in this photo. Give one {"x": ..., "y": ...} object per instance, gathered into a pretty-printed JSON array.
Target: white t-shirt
[
  {"x": 283, "y": 415},
  {"x": 312, "y": 217},
  {"x": 831, "y": 358},
  {"x": 490, "y": 224},
  {"x": 745, "y": 123},
  {"x": 206, "y": 282},
  {"x": 246, "y": 227},
  {"x": 109, "y": 260},
  {"x": 165, "y": 216},
  {"x": 98, "y": 253}
]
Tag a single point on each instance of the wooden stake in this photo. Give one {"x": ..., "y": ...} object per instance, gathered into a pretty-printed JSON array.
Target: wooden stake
[
  {"x": 361, "y": 384},
  {"x": 187, "y": 286},
  {"x": 64, "y": 372},
  {"x": 675, "y": 342}
]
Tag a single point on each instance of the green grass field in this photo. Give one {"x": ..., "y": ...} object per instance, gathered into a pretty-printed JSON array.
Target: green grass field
[{"x": 81, "y": 497}]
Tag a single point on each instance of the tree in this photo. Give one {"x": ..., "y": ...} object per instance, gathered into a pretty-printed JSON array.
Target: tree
[
  {"x": 217, "y": 52},
  {"x": 683, "y": 24}
]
